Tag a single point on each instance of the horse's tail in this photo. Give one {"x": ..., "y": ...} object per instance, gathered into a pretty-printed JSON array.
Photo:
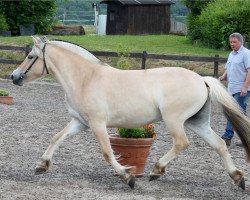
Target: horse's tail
[{"x": 231, "y": 110}]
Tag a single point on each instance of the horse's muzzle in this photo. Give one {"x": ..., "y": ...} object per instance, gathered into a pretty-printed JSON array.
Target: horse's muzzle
[{"x": 18, "y": 79}]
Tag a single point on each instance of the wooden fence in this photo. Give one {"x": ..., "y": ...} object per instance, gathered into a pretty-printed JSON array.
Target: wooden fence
[
  {"x": 178, "y": 28},
  {"x": 143, "y": 56}
]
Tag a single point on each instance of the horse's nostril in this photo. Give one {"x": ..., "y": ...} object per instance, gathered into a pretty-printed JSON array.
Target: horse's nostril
[{"x": 12, "y": 77}]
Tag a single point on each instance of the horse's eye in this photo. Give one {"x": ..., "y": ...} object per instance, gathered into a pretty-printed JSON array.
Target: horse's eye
[{"x": 30, "y": 57}]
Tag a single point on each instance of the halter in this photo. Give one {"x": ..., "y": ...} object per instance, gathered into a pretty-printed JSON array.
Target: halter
[{"x": 44, "y": 62}]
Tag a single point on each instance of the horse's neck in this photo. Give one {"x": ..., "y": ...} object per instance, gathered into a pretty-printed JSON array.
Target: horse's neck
[
  {"x": 78, "y": 50},
  {"x": 71, "y": 70}
]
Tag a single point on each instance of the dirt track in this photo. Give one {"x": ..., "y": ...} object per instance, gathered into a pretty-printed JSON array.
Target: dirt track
[{"x": 79, "y": 170}]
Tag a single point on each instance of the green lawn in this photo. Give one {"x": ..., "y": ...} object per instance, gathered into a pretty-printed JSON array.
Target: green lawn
[{"x": 158, "y": 44}]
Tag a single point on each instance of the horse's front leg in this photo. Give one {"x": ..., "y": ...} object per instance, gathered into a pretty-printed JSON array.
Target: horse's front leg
[
  {"x": 73, "y": 127},
  {"x": 102, "y": 136}
]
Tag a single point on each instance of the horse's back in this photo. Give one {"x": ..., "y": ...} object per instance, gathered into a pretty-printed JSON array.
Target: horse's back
[
  {"x": 149, "y": 94},
  {"x": 182, "y": 92}
]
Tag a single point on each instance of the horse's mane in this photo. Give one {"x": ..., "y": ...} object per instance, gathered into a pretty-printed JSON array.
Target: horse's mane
[{"x": 76, "y": 49}]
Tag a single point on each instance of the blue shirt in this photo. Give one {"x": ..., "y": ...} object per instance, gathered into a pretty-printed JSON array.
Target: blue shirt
[{"x": 237, "y": 64}]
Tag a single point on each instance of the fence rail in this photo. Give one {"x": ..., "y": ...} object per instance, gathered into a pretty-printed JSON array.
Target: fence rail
[
  {"x": 144, "y": 56},
  {"x": 25, "y": 49}
]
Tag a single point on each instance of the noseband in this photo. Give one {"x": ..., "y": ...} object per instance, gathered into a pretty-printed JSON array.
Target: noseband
[{"x": 44, "y": 62}]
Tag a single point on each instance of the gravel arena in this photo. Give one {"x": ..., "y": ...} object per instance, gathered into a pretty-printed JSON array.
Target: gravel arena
[{"x": 79, "y": 170}]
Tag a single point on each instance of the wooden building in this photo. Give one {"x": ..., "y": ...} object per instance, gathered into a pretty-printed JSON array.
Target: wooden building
[{"x": 138, "y": 16}]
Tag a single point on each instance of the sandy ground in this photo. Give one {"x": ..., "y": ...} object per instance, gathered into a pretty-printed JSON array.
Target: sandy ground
[{"x": 79, "y": 170}]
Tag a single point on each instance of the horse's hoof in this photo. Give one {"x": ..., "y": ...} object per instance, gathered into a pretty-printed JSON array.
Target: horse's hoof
[
  {"x": 238, "y": 177},
  {"x": 154, "y": 177},
  {"x": 40, "y": 170},
  {"x": 241, "y": 184},
  {"x": 42, "y": 166},
  {"x": 131, "y": 182}
]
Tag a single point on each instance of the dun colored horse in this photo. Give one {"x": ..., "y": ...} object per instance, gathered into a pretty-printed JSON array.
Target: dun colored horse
[{"x": 100, "y": 96}]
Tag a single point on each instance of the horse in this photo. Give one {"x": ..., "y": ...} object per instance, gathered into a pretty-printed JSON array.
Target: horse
[{"x": 99, "y": 96}]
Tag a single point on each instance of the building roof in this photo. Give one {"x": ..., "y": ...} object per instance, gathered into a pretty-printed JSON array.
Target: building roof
[{"x": 140, "y": 2}]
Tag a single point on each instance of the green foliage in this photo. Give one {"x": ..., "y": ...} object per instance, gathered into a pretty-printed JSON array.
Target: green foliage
[
  {"x": 196, "y": 6},
  {"x": 131, "y": 133},
  {"x": 3, "y": 24},
  {"x": 221, "y": 18},
  {"x": 4, "y": 93},
  {"x": 193, "y": 27},
  {"x": 137, "y": 132},
  {"x": 39, "y": 13},
  {"x": 122, "y": 61}
]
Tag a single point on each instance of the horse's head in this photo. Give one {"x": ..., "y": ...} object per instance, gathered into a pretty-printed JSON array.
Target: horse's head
[{"x": 34, "y": 66}]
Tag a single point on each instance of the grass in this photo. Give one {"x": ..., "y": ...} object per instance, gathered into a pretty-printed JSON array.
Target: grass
[{"x": 157, "y": 44}]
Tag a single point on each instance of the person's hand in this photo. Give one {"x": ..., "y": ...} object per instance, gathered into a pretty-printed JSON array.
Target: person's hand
[
  {"x": 243, "y": 92},
  {"x": 221, "y": 78}
]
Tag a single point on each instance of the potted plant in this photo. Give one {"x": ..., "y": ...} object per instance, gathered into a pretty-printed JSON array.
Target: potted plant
[
  {"x": 132, "y": 146},
  {"x": 5, "y": 97}
]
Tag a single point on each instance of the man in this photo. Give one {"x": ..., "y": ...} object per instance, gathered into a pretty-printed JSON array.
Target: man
[{"x": 237, "y": 73}]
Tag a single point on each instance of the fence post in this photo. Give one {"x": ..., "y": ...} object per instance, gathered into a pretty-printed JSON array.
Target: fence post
[
  {"x": 27, "y": 47},
  {"x": 144, "y": 57},
  {"x": 216, "y": 66}
]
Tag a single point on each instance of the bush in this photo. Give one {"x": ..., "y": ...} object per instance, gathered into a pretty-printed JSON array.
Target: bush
[
  {"x": 193, "y": 27},
  {"x": 221, "y": 18},
  {"x": 122, "y": 61},
  {"x": 3, "y": 24},
  {"x": 195, "y": 8},
  {"x": 39, "y": 13},
  {"x": 147, "y": 131}
]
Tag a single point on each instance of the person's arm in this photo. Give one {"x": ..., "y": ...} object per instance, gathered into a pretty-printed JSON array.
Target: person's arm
[
  {"x": 246, "y": 85},
  {"x": 224, "y": 76}
]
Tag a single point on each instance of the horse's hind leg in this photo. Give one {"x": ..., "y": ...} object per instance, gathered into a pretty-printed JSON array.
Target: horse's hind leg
[
  {"x": 200, "y": 124},
  {"x": 180, "y": 143},
  {"x": 73, "y": 127}
]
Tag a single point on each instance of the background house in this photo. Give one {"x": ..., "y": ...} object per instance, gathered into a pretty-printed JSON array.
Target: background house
[{"x": 138, "y": 16}]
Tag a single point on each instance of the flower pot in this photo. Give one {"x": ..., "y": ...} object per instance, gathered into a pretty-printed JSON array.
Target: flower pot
[
  {"x": 132, "y": 151},
  {"x": 6, "y": 100}
]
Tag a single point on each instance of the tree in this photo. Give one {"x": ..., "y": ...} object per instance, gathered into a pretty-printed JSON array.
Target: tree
[
  {"x": 39, "y": 13},
  {"x": 195, "y": 7},
  {"x": 3, "y": 24}
]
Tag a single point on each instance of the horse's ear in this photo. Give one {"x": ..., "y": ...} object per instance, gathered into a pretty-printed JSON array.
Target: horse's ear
[{"x": 37, "y": 41}]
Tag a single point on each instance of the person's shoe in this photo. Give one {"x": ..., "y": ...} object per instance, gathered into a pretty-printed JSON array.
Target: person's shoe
[
  {"x": 227, "y": 141},
  {"x": 239, "y": 144}
]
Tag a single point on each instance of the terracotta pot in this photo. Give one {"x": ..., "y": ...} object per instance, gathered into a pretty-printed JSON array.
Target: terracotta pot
[
  {"x": 6, "y": 100},
  {"x": 132, "y": 151}
]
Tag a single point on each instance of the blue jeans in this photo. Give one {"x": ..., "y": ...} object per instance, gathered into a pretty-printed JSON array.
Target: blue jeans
[{"x": 242, "y": 101}]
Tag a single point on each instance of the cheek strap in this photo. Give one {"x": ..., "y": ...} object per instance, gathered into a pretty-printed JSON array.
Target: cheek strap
[{"x": 44, "y": 63}]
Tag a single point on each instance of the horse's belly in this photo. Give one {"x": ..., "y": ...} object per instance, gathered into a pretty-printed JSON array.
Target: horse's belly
[
  {"x": 134, "y": 118},
  {"x": 76, "y": 115}
]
